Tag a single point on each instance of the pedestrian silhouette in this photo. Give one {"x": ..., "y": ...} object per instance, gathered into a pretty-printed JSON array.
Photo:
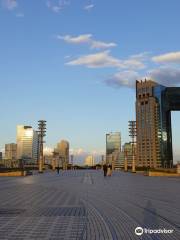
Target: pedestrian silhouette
[
  {"x": 58, "y": 168},
  {"x": 105, "y": 170}
]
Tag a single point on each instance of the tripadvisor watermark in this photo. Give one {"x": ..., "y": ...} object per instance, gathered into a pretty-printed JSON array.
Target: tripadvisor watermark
[{"x": 139, "y": 231}]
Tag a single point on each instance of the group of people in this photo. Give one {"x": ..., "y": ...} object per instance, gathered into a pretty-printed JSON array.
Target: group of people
[{"x": 107, "y": 170}]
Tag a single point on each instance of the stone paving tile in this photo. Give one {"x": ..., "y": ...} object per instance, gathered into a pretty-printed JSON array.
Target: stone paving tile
[{"x": 83, "y": 205}]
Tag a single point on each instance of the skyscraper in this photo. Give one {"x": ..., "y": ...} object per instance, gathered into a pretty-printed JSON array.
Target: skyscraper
[
  {"x": 113, "y": 147},
  {"x": 154, "y": 104},
  {"x": 63, "y": 150},
  {"x": 27, "y": 144}
]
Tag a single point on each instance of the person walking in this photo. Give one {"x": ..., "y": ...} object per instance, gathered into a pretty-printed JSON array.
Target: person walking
[
  {"x": 58, "y": 168},
  {"x": 109, "y": 170},
  {"x": 105, "y": 170}
]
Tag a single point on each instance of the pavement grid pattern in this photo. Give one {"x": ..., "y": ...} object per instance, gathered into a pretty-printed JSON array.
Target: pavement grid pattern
[{"x": 85, "y": 205}]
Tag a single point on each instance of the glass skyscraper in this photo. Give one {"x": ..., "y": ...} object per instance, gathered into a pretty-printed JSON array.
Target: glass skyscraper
[
  {"x": 113, "y": 147},
  {"x": 27, "y": 144}
]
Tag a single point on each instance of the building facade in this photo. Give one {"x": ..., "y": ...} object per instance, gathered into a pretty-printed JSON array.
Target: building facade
[
  {"x": 113, "y": 147},
  {"x": 89, "y": 161},
  {"x": 154, "y": 104},
  {"x": 27, "y": 144},
  {"x": 63, "y": 150},
  {"x": 11, "y": 151},
  {"x": 127, "y": 149},
  {"x": 10, "y": 159}
]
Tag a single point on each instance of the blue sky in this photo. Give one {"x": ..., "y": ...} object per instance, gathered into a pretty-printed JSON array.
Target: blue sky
[{"x": 74, "y": 63}]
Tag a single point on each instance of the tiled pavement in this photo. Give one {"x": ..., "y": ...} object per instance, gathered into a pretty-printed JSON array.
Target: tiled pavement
[{"x": 85, "y": 205}]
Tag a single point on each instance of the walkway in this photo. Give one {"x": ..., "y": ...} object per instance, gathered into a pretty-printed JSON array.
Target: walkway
[{"x": 85, "y": 205}]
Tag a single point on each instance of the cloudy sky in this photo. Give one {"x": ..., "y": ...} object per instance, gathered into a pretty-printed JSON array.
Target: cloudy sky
[{"x": 75, "y": 62}]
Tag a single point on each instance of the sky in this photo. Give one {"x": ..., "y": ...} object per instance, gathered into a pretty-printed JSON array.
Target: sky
[{"x": 75, "y": 62}]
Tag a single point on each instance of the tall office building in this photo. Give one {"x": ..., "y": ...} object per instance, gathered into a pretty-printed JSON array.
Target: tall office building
[
  {"x": 11, "y": 151},
  {"x": 63, "y": 150},
  {"x": 27, "y": 144},
  {"x": 113, "y": 147},
  {"x": 154, "y": 104}
]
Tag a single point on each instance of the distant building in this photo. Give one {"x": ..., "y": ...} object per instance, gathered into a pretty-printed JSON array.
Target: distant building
[
  {"x": 11, "y": 151},
  {"x": 128, "y": 150},
  {"x": 48, "y": 155},
  {"x": 10, "y": 159},
  {"x": 1, "y": 156},
  {"x": 113, "y": 148},
  {"x": 63, "y": 151},
  {"x": 89, "y": 161},
  {"x": 27, "y": 144}
]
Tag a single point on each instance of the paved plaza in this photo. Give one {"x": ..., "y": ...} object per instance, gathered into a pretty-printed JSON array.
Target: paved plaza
[{"x": 83, "y": 205}]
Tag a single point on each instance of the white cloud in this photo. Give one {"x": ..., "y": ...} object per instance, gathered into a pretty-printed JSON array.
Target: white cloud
[
  {"x": 9, "y": 4},
  {"x": 89, "y": 7},
  {"x": 20, "y": 15},
  {"x": 166, "y": 76},
  {"x": 163, "y": 75},
  {"x": 97, "y": 60},
  {"x": 123, "y": 79},
  {"x": 80, "y": 154},
  {"x": 101, "y": 45},
  {"x": 133, "y": 64},
  {"x": 172, "y": 57},
  {"x": 88, "y": 39},
  {"x": 58, "y": 5},
  {"x": 104, "y": 59},
  {"x": 77, "y": 152},
  {"x": 85, "y": 38}
]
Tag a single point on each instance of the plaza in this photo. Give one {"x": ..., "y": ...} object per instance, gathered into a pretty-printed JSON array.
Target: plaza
[{"x": 83, "y": 204}]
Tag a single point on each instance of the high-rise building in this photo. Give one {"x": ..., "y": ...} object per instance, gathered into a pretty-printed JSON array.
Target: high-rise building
[
  {"x": 11, "y": 151},
  {"x": 89, "y": 161},
  {"x": 27, "y": 144},
  {"x": 154, "y": 104},
  {"x": 113, "y": 147},
  {"x": 63, "y": 150},
  {"x": 127, "y": 149}
]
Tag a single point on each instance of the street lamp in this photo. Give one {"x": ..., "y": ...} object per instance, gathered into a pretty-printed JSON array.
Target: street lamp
[
  {"x": 133, "y": 134},
  {"x": 41, "y": 135},
  {"x": 125, "y": 160},
  {"x": 72, "y": 159}
]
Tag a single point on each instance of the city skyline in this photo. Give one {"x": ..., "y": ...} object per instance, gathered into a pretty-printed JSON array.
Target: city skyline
[{"x": 76, "y": 76}]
